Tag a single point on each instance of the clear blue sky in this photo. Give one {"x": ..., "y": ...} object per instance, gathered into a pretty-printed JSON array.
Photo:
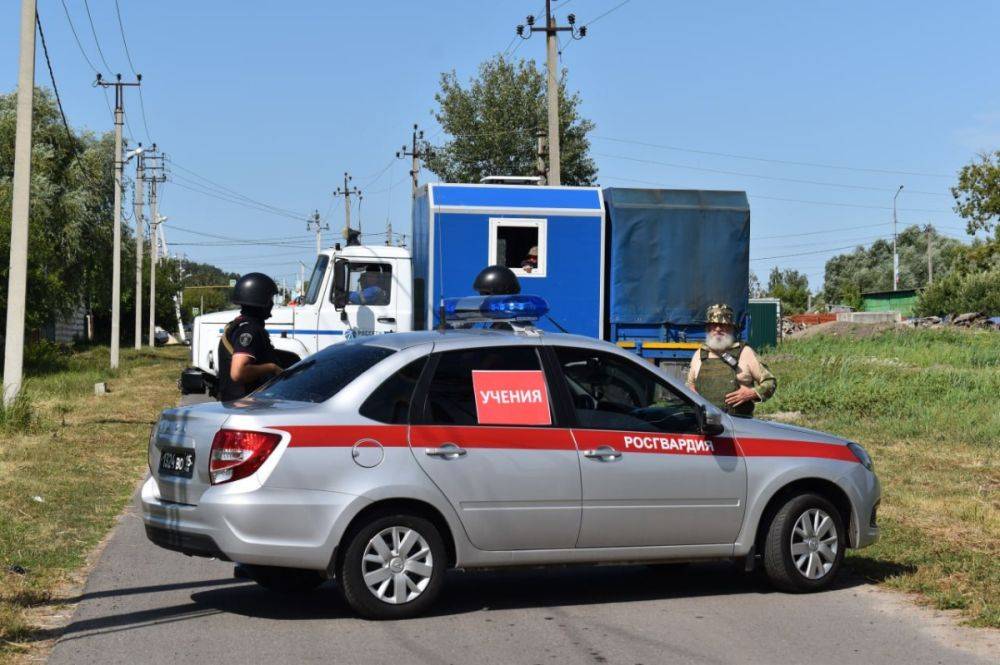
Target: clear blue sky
[{"x": 277, "y": 100}]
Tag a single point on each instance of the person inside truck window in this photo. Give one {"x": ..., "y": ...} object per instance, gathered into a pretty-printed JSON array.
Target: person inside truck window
[
  {"x": 530, "y": 262},
  {"x": 727, "y": 372},
  {"x": 372, "y": 286}
]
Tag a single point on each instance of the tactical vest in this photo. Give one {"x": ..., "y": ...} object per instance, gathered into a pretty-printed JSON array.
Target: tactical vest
[{"x": 716, "y": 379}]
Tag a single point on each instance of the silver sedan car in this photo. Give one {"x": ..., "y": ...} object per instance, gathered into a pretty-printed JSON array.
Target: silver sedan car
[{"x": 384, "y": 461}]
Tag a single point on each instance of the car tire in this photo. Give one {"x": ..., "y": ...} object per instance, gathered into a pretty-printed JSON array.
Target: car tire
[
  {"x": 393, "y": 567},
  {"x": 283, "y": 580},
  {"x": 805, "y": 544}
]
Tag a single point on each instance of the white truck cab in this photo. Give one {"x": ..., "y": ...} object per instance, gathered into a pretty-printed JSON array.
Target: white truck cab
[{"x": 355, "y": 290}]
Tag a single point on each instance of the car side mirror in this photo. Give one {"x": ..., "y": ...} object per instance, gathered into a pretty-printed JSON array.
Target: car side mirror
[
  {"x": 340, "y": 283},
  {"x": 711, "y": 421}
]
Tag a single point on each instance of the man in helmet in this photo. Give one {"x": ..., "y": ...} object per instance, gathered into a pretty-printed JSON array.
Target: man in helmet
[
  {"x": 246, "y": 357},
  {"x": 726, "y": 371}
]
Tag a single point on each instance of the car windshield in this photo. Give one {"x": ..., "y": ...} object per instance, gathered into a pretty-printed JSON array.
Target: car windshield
[{"x": 323, "y": 375}]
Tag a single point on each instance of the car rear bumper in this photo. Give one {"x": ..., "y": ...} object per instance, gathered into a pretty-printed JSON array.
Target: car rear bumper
[{"x": 265, "y": 526}]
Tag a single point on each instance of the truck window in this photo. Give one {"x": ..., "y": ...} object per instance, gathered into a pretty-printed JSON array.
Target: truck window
[
  {"x": 316, "y": 280},
  {"x": 519, "y": 244},
  {"x": 368, "y": 284}
]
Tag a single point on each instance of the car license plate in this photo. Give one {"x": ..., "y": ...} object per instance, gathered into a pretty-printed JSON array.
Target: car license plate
[{"x": 177, "y": 462}]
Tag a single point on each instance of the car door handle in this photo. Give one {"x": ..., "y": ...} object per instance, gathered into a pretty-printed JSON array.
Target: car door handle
[
  {"x": 447, "y": 451},
  {"x": 386, "y": 319},
  {"x": 603, "y": 454}
]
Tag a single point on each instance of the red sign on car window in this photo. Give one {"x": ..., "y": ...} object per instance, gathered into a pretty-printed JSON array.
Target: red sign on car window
[{"x": 511, "y": 397}]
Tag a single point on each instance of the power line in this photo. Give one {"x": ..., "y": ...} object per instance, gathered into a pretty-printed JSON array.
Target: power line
[
  {"x": 204, "y": 191},
  {"x": 94, "y": 32},
  {"x": 818, "y": 251},
  {"x": 121, "y": 28},
  {"x": 805, "y": 201},
  {"x": 600, "y": 16},
  {"x": 79, "y": 44},
  {"x": 228, "y": 191},
  {"x": 799, "y": 181},
  {"x": 772, "y": 160},
  {"x": 813, "y": 233}
]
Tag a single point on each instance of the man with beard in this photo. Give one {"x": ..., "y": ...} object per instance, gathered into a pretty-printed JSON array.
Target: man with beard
[
  {"x": 727, "y": 372},
  {"x": 246, "y": 357}
]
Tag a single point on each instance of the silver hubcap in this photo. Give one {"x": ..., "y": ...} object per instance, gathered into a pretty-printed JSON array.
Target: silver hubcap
[
  {"x": 397, "y": 565},
  {"x": 814, "y": 543}
]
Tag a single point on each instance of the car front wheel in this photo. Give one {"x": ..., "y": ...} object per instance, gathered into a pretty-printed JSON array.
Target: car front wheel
[
  {"x": 805, "y": 544},
  {"x": 393, "y": 567}
]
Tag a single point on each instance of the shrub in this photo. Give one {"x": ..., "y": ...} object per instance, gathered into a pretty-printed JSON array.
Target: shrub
[
  {"x": 957, "y": 293},
  {"x": 44, "y": 357}
]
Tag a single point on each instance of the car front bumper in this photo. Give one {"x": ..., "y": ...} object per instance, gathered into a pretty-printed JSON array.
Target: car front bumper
[
  {"x": 865, "y": 492},
  {"x": 266, "y": 526}
]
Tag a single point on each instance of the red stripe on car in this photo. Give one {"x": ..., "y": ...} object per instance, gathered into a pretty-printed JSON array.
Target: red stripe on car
[{"x": 556, "y": 438}]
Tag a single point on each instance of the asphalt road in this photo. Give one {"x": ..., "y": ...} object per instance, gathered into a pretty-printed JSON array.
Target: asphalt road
[{"x": 147, "y": 605}]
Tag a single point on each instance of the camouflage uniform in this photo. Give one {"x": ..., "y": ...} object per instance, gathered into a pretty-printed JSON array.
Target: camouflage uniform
[{"x": 714, "y": 375}]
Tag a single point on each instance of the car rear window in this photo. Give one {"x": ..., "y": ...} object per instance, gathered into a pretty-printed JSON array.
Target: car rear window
[{"x": 321, "y": 376}]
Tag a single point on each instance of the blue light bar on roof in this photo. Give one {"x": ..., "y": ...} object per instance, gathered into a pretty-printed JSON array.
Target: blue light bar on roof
[{"x": 495, "y": 308}]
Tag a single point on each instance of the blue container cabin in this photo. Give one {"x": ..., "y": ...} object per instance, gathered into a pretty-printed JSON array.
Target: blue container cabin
[{"x": 459, "y": 229}]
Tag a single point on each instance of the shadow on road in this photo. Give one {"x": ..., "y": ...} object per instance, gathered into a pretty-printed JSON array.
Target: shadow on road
[{"x": 463, "y": 593}]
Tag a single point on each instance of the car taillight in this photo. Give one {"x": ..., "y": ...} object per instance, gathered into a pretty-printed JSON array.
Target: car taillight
[{"x": 237, "y": 454}]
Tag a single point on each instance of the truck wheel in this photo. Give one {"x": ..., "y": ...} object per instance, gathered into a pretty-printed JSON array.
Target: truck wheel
[
  {"x": 393, "y": 567},
  {"x": 805, "y": 544},
  {"x": 283, "y": 580}
]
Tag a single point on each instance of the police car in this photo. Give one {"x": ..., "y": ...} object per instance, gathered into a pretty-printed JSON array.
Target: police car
[{"x": 385, "y": 461}]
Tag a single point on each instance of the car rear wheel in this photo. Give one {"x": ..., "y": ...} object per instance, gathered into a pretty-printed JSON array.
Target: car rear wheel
[
  {"x": 805, "y": 544},
  {"x": 282, "y": 580},
  {"x": 393, "y": 567}
]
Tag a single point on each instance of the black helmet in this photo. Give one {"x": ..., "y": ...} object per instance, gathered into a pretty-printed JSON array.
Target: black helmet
[
  {"x": 496, "y": 281},
  {"x": 255, "y": 289}
]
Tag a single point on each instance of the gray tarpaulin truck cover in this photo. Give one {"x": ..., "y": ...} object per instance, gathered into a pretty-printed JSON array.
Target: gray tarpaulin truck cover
[{"x": 675, "y": 252}]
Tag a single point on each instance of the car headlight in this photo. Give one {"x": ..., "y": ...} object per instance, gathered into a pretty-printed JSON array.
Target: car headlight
[{"x": 862, "y": 455}]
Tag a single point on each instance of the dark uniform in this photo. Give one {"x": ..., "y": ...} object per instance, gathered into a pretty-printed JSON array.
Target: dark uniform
[{"x": 246, "y": 334}]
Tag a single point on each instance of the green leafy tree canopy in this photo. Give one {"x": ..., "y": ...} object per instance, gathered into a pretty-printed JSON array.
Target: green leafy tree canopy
[
  {"x": 792, "y": 287},
  {"x": 492, "y": 124},
  {"x": 977, "y": 194}
]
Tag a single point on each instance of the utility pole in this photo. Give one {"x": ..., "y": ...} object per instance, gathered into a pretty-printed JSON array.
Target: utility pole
[
  {"x": 116, "y": 256},
  {"x": 419, "y": 149},
  {"x": 895, "y": 254},
  {"x": 930, "y": 250},
  {"x": 17, "y": 280},
  {"x": 347, "y": 192},
  {"x": 137, "y": 199},
  {"x": 154, "y": 175},
  {"x": 552, "y": 84},
  {"x": 315, "y": 224},
  {"x": 540, "y": 170}
]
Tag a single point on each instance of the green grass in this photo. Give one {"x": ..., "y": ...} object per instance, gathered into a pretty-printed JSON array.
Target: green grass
[
  {"x": 81, "y": 456},
  {"x": 926, "y": 405}
]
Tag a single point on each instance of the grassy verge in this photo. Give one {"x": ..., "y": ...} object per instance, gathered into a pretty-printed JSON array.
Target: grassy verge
[
  {"x": 69, "y": 461},
  {"x": 926, "y": 405}
]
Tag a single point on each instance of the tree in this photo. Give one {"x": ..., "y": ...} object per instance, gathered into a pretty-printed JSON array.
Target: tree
[
  {"x": 792, "y": 287},
  {"x": 849, "y": 275},
  {"x": 977, "y": 194},
  {"x": 492, "y": 125},
  {"x": 71, "y": 221}
]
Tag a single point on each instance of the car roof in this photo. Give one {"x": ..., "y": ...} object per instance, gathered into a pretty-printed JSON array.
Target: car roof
[{"x": 472, "y": 337}]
